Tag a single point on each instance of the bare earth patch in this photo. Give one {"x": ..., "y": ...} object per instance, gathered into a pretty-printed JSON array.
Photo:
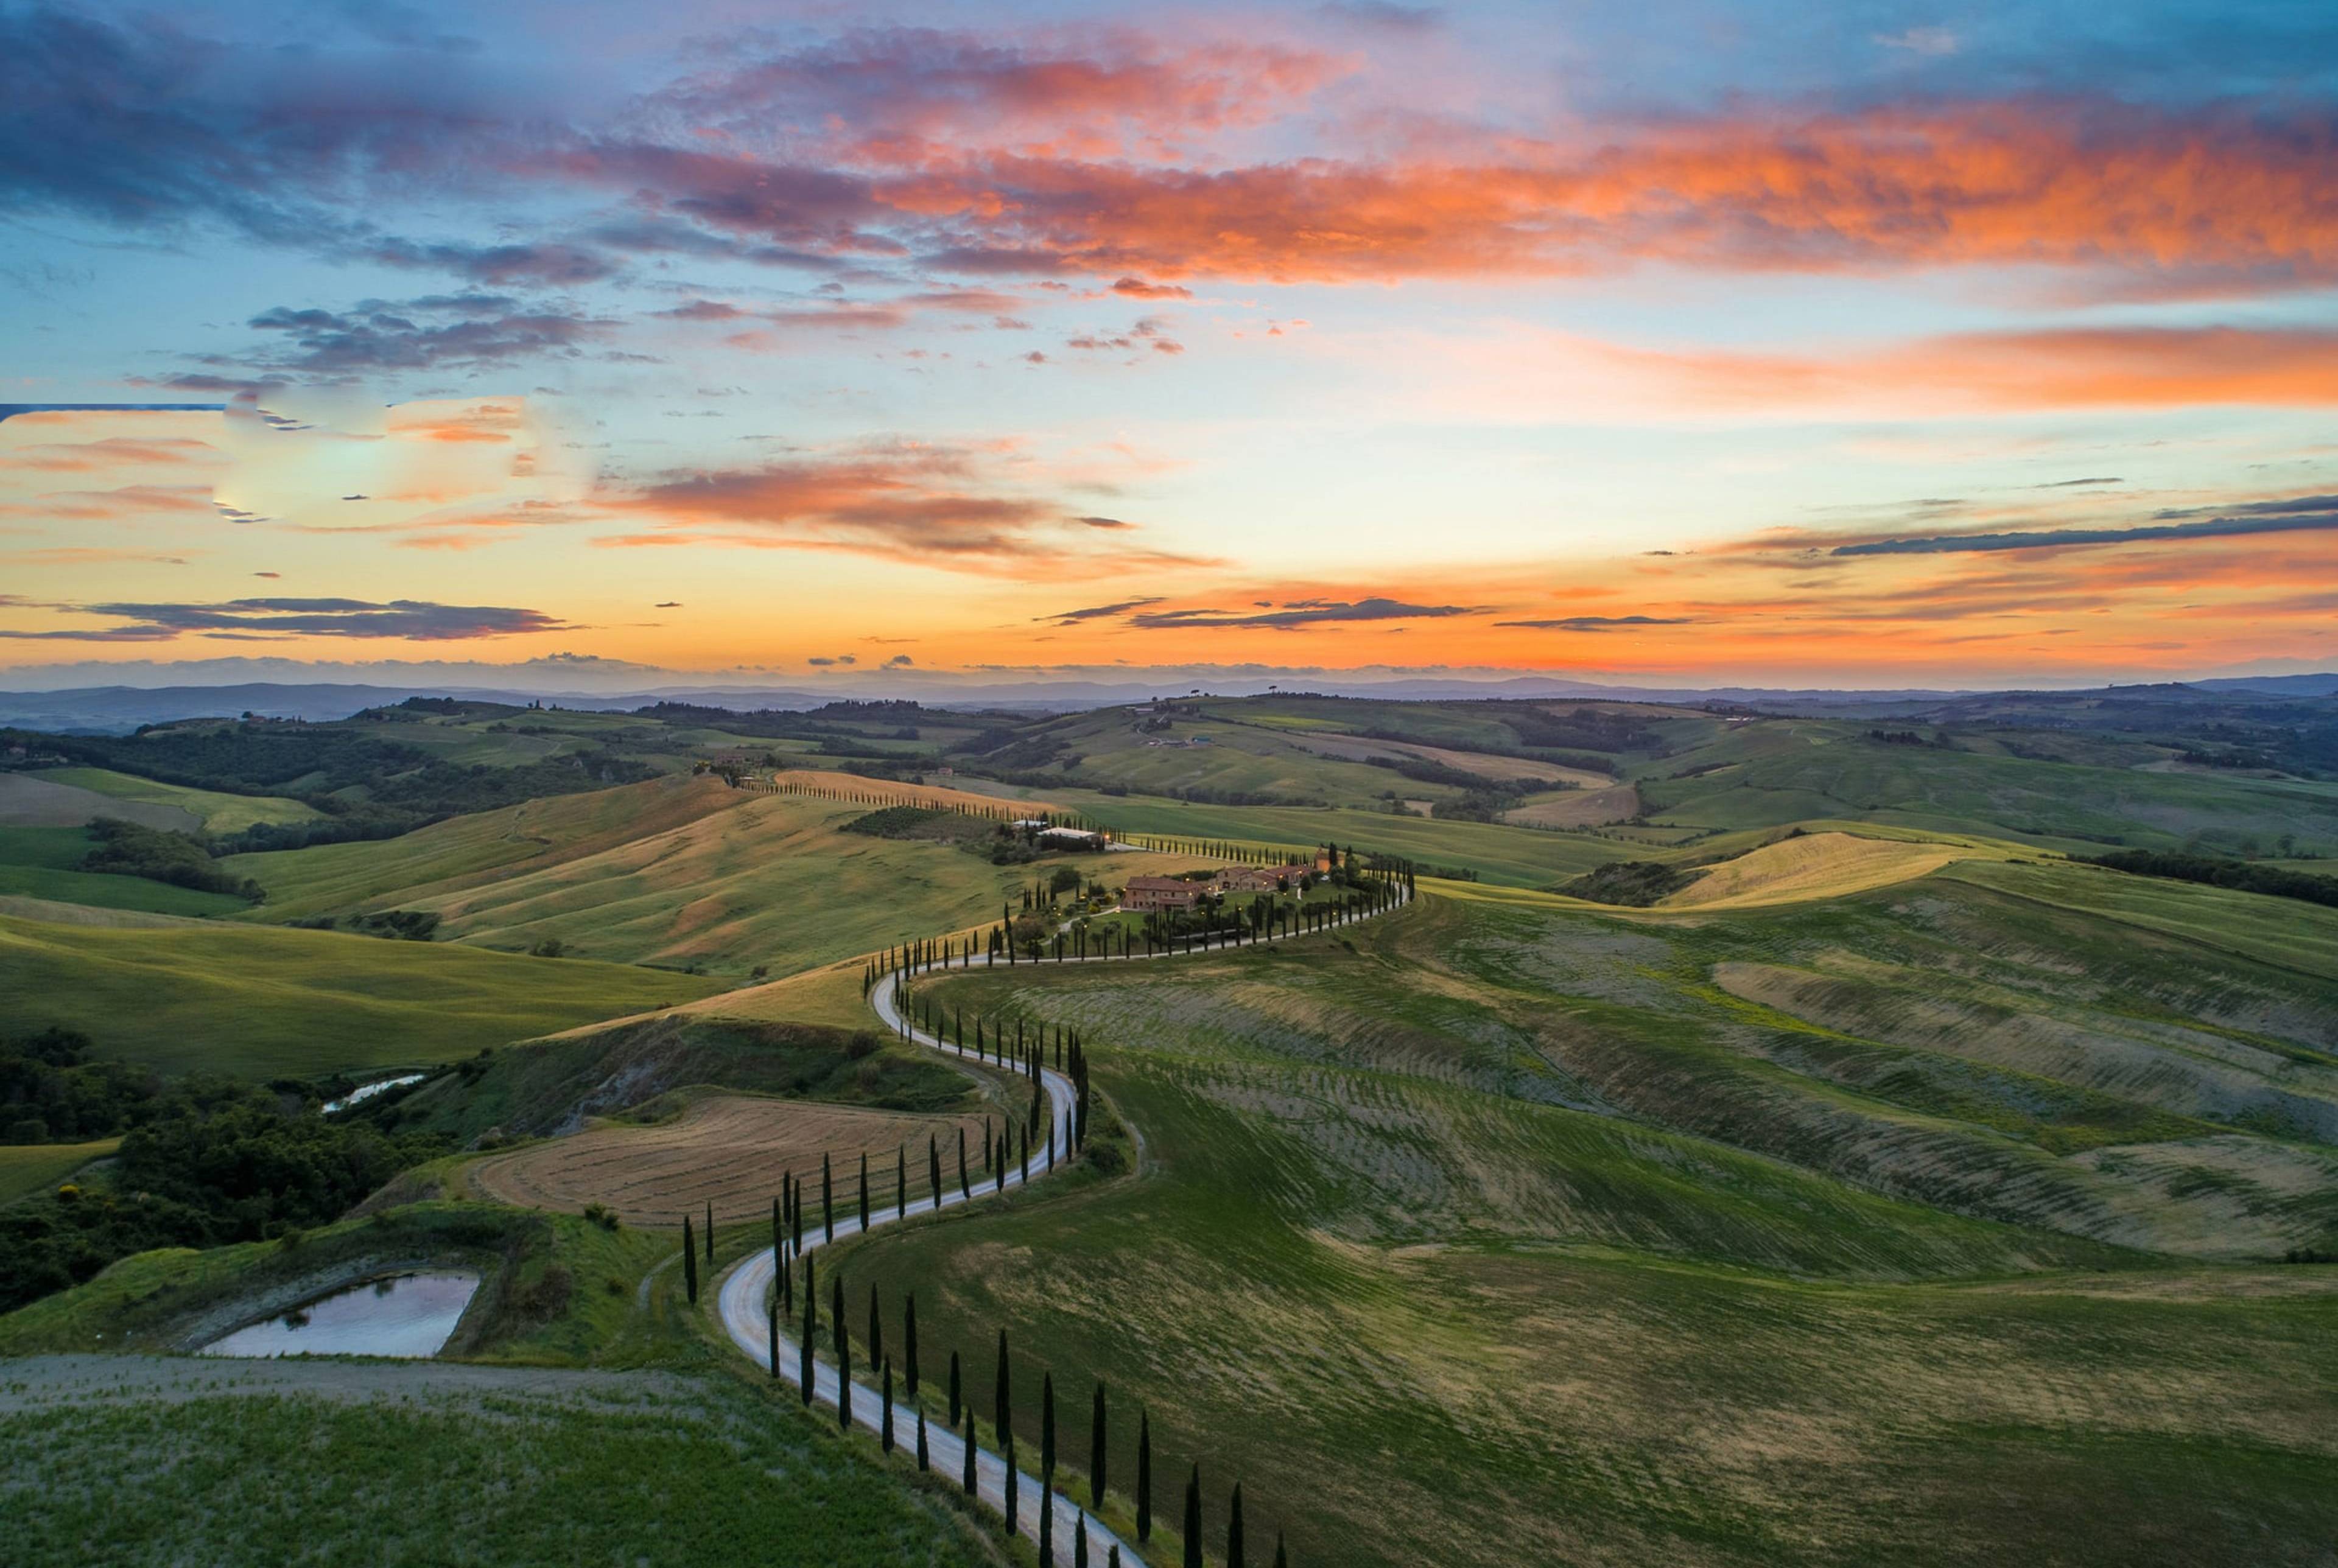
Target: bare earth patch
[{"x": 728, "y": 1151}]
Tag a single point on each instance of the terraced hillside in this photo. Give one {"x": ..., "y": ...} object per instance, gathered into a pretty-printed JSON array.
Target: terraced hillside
[{"x": 1925, "y": 1223}]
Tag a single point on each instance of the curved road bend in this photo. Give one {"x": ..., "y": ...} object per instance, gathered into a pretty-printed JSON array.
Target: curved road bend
[{"x": 743, "y": 1302}]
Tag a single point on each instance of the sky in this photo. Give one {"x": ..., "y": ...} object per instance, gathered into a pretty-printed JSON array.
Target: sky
[{"x": 1850, "y": 344}]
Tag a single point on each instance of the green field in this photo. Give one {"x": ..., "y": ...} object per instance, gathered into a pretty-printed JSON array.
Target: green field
[
  {"x": 32, "y": 1167},
  {"x": 219, "y": 813},
  {"x": 39, "y": 863},
  {"x": 1778, "y": 771},
  {"x": 1500, "y": 1232},
  {"x": 259, "y": 1002}
]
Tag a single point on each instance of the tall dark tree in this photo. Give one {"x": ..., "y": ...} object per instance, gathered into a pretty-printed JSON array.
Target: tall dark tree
[
  {"x": 969, "y": 1482},
  {"x": 1144, "y": 1477},
  {"x": 923, "y": 1458},
  {"x": 1098, "y": 1450},
  {"x": 827, "y": 1201},
  {"x": 775, "y": 1339},
  {"x": 709, "y": 1232},
  {"x": 1194, "y": 1519},
  {"x": 909, "y": 1345},
  {"x": 804, "y": 1363},
  {"x": 1234, "y": 1531},
  {"x": 864, "y": 1191},
  {"x": 1047, "y": 1427},
  {"x": 876, "y": 1329},
  {"x": 934, "y": 1168},
  {"x": 843, "y": 1357},
  {"x": 1281, "y": 1558},
  {"x": 795, "y": 1221},
  {"x": 1047, "y": 1525},
  {"x": 1013, "y": 1480},
  {"x": 954, "y": 1386},
  {"x": 965, "y": 1192},
  {"x": 885, "y": 1431},
  {"x": 1080, "y": 1542},
  {"x": 1002, "y": 1412},
  {"x": 900, "y": 1181},
  {"x": 778, "y": 1235},
  {"x": 689, "y": 1261}
]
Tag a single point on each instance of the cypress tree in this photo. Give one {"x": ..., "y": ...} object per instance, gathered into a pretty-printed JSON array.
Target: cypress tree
[
  {"x": 1112, "y": 1558},
  {"x": 876, "y": 1329},
  {"x": 909, "y": 1343},
  {"x": 1002, "y": 1411},
  {"x": 1194, "y": 1519},
  {"x": 885, "y": 1433},
  {"x": 900, "y": 1181},
  {"x": 843, "y": 1357},
  {"x": 827, "y": 1201},
  {"x": 864, "y": 1191},
  {"x": 953, "y": 1390},
  {"x": 1144, "y": 1477},
  {"x": 923, "y": 1458},
  {"x": 1047, "y": 1525},
  {"x": 1097, "y": 1450},
  {"x": 965, "y": 1192},
  {"x": 1047, "y": 1427},
  {"x": 1080, "y": 1542},
  {"x": 775, "y": 1339},
  {"x": 1006, "y": 1451},
  {"x": 709, "y": 1232},
  {"x": 1234, "y": 1531},
  {"x": 689, "y": 1261},
  {"x": 1281, "y": 1558},
  {"x": 795, "y": 1220},
  {"x": 969, "y": 1454},
  {"x": 810, "y": 1333},
  {"x": 934, "y": 1168},
  {"x": 778, "y": 1235},
  {"x": 787, "y": 1281}
]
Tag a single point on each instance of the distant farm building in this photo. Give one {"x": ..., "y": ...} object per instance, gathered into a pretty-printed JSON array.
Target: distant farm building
[
  {"x": 1259, "y": 879},
  {"x": 1161, "y": 893},
  {"x": 1070, "y": 838}
]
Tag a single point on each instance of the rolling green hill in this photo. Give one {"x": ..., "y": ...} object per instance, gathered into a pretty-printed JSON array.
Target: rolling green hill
[
  {"x": 676, "y": 872},
  {"x": 218, "y": 813},
  {"x": 1507, "y": 1231},
  {"x": 261, "y": 1003}
]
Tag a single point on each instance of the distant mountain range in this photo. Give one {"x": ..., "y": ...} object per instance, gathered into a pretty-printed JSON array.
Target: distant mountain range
[{"x": 115, "y": 709}]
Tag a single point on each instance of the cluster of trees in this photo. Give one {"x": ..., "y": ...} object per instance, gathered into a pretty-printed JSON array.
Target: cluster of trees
[
  {"x": 132, "y": 849},
  {"x": 51, "y": 1092},
  {"x": 1634, "y": 883},
  {"x": 205, "y": 1161}
]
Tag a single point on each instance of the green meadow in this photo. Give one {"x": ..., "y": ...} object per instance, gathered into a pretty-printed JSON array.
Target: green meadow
[{"x": 262, "y": 1002}]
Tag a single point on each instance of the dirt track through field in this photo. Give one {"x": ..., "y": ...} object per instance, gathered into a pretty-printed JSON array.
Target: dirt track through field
[{"x": 728, "y": 1151}]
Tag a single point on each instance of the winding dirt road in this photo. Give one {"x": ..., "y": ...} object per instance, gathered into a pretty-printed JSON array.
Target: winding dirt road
[{"x": 744, "y": 1299}]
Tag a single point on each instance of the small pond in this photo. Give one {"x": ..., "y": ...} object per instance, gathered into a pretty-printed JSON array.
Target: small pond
[{"x": 404, "y": 1315}]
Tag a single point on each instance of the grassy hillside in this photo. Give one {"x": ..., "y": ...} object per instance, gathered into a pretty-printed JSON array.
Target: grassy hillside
[
  {"x": 42, "y": 863},
  {"x": 675, "y": 872},
  {"x": 1778, "y": 771},
  {"x": 260, "y": 1001},
  {"x": 32, "y": 1167},
  {"x": 1835, "y": 1232},
  {"x": 1496, "y": 852},
  {"x": 217, "y": 813}
]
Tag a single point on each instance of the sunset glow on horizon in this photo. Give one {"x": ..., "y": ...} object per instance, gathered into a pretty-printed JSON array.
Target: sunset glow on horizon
[{"x": 1686, "y": 345}]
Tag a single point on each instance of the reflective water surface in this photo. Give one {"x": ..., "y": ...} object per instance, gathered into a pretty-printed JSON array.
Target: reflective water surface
[{"x": 404, "y": 1315}]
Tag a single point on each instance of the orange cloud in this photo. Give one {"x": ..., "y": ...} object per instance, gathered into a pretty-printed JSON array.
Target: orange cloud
[
  {"x": 2063, "y": 184},
  {"x": 928, "y": 503}
]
